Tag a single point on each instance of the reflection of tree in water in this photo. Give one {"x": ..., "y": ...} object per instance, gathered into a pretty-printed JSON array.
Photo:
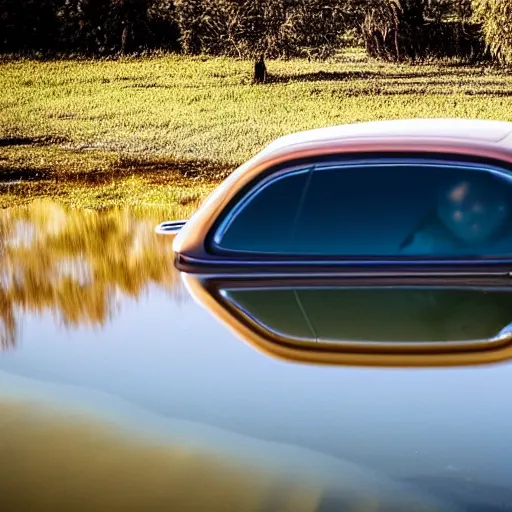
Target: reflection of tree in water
[{"x": 78, "y": 263}]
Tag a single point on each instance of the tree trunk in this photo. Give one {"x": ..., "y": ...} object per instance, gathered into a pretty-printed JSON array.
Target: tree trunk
[
  {"x": 397, "y": 43},
  {"x": 260, "y": 71},
  {"x": 125, "y": 39}
]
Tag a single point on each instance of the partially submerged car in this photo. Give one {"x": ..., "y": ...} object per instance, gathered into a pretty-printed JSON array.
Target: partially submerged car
[
  {"x": 384, "y": 244},
  {"x": 407, "y": 198}
]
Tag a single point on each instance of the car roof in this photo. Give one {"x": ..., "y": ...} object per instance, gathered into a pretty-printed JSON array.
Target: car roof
[{"x": 476, "y": 130}]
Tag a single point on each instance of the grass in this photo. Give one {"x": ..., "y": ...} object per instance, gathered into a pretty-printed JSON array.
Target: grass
[{"x": 163, "y": 131}]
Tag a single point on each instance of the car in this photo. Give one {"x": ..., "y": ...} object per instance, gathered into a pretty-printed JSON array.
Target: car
[{"x": 402, "y": 197}]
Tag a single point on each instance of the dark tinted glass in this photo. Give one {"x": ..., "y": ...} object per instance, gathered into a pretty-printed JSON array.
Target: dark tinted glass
[
  {"x": 264, "y": 221},
  {"x": 415, "y": 209},
  {"x": 406, "y": 314},
  {"x": 381, "y": 209}
]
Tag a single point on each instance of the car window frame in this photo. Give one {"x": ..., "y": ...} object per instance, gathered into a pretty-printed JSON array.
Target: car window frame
[
  {"x": 213, "y": 248},
  {"x": 225, "y": 295}
]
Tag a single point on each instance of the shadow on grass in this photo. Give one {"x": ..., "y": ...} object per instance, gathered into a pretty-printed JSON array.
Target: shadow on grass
[
  {"x": 324, "y": 76},
  {"x": 331, "y": 76},
  {"x": 466, "y": 83},
  {"x": 156, "y": 171},
  {"x": 433, "y": 92},
  {"x": 20, "y": 174},
  {"x": 376, "y": 90},
  {"x": 46, "y": 140},
  {"x": 16, "y": 141},
  {"x": 497, "y": 94},
  {"x": 152, "y": 85},
  {"x": 187, "y": 168}
]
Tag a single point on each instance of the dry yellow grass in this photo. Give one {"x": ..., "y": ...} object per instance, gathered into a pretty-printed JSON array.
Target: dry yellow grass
[{"x": 165, "y": 130}]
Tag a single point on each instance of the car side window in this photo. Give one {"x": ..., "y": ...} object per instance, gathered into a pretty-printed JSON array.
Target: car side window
[
  {"x": 386, "y": 208},
  {"x": 263, "y": 221},
  {"x": 415, "y": 209}
]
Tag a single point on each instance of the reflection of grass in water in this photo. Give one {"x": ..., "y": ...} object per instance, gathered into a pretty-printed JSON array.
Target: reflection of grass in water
[
  {"x": 76, "y": 263},
  {"x": 51, "y": 462}
]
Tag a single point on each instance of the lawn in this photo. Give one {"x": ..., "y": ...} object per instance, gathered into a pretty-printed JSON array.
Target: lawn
[{"x": 163, "y": 131}]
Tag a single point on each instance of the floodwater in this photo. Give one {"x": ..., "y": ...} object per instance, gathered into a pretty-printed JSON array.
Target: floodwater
[{"x": 118, "y": 391}]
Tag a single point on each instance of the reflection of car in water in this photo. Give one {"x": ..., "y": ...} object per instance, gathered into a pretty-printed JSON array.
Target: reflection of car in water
[{"x": 376, "y": 323}]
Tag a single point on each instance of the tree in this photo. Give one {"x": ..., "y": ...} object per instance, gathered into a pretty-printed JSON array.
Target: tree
[
  {"x": 380, "y": 27},
  {"x": 263, "y": 29},
  {"x": 495, "y": 16},
  {"x": 417, "y": 29},
  {"x": 392, "y": 29},
  {"x": 87, "y": 26},
  {"x": 29, "y": 25}
]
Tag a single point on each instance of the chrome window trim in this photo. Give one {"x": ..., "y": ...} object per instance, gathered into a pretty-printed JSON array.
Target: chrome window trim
[
  {"x": 225, "y": 295},
  {"x": 273, "y": 268}
]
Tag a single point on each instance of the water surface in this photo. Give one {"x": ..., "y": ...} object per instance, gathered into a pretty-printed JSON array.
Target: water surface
[{"x": 119, "y": 392}]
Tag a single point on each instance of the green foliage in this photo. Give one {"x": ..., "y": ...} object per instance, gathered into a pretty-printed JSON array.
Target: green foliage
[{"x": 496, "y": 19}]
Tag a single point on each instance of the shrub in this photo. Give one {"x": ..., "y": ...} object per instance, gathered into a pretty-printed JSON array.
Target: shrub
[
  {"x": 273, "y": 28},
  {"x": 495, "y": 17}
]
